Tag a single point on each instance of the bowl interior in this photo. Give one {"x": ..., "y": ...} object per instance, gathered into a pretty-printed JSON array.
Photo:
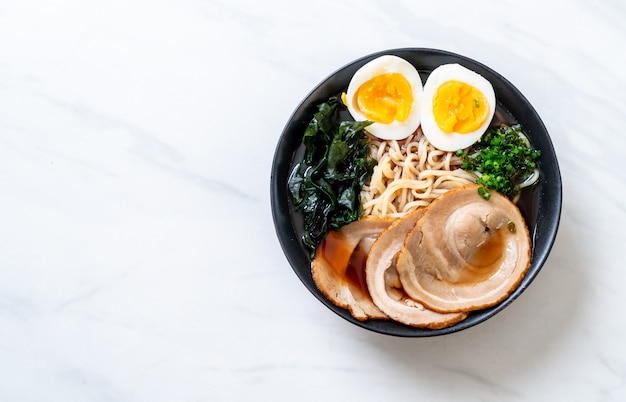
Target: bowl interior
[{"x": 540, "y": 204}]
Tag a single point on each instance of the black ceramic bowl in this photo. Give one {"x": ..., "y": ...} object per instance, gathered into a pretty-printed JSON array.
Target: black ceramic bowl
[{"x": 540, "y": 204}]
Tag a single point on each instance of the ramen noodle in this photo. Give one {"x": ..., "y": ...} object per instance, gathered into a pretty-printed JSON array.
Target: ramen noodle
[{"x": 411, "y": 173}]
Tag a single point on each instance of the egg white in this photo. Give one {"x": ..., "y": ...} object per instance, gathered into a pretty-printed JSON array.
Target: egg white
[
  {"x": 440, "y": 75},
  {"x": 395, "y": 130}
]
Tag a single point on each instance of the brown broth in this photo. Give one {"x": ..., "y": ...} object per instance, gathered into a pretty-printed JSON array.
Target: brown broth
[
  {"x": 486, "y": 259},
  {"x": 490, "y": 252},
  {"x": 347, "y": 263},
  {"x": 355, "y": 272}
]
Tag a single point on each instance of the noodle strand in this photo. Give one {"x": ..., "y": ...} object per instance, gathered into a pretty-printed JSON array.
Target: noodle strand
[{"x": 410, "y": 174}]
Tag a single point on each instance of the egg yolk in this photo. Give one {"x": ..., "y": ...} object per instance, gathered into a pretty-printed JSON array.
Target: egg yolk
[
  {"x": 459, "y": 107},
  {"x": 385, "y": 98}
]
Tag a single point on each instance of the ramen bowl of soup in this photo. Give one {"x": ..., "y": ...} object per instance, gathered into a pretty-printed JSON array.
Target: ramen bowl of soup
[{"x": 360, "y": 278}]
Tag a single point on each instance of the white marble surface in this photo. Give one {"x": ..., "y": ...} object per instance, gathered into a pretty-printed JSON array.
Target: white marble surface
[{"x": 138, "y": 258}]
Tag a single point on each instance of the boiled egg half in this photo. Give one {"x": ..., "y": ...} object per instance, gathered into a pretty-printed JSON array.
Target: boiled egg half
[
  {"x": 458, "y": 107},
  {"x": 388, "y": 92}
]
